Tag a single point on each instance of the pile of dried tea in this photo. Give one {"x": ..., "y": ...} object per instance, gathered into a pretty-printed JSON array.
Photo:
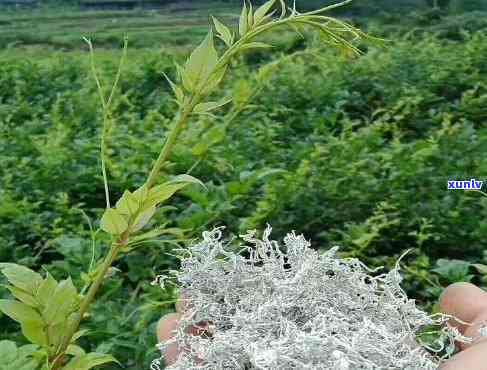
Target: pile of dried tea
[{"x": 268, "y": 306}]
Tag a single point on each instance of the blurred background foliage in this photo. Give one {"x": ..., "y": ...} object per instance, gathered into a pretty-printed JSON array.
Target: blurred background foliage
[{"x": 355, "y": 153}]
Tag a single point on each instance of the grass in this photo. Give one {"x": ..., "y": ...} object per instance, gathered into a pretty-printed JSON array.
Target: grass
[
  {"x": 63, "y": 28},
  {"x": 183, "y": 24}
]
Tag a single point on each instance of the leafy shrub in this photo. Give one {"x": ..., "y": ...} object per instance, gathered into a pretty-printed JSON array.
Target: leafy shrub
[
  {"x": 356, "y": 154},
  {"x": 50, "y": 311}
]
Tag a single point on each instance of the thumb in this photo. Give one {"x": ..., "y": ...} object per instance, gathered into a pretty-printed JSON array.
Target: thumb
[{"x": 165, "y": 328}]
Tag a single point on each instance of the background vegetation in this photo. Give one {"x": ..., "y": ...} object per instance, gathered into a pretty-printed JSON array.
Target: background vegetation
[{"x": 351, "y": 153}]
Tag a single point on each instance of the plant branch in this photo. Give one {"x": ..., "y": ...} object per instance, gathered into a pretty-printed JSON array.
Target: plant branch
[
  {"x": 180, "y": 123},
  {"x": 85, "y": 303},
  {"x": 171, "y": 141},
  {"x": 123, "y": 240},
  {"x": 106, "y": 108}
]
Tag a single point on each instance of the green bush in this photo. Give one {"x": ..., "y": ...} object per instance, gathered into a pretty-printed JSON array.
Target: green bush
[{"x": 351, "y": 154}]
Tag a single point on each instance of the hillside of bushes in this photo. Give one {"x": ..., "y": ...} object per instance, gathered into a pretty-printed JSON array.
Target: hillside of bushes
[{"x": 349, "y": 152}]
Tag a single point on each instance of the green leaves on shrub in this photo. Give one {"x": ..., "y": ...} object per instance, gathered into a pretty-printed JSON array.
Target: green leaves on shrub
[
  {"x": 261, "y": 15},
  {"x": 45, "y": 311},
  {"x": 243, "y": 20},
  {"x": 453, "y": 271},
  {"x": 113, "y": 222},
  {"x": 392, "y": 126},
  {"x": 200, "y": 64},
  {"x": 21, "y": 277},
  {"x": 203, "y": 108},
  {"x": 134, "y": 210},
  {"x": 18, "y": 358},
  {"x": 89, "y": 361},
  {"x": 44, "y": 307},
  {"x": 223, "y": 32}
]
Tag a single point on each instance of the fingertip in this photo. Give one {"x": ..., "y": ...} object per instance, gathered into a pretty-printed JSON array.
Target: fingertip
[
  {"x": 452, "y": 291},
  {"x": 166, "y": 326},
  {"x": 472, "y": 358},
  {"x": 165, "y": 331},
  {"x": 463, "y": 300}
]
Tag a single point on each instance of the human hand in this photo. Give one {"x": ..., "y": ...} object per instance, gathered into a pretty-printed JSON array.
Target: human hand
[
  {"x": 462, "y": 300},
  {"x": 468, "y": 303},
  {"x": 169, "y": 323}
]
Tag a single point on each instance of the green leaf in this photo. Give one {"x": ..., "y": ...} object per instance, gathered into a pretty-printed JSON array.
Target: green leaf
[
  {"x": 242, "y": 22},
  {"x": 209, "y": 106},
  {"x": 188, "y": 84},
  {"x": 242, "y": 92},
  {"x": 62, "y": 303},
  {"x": 128, "y": 204},
  {"x": 255, "y": 45},
  {"x": 79, "y": 334},
  {"x": 250, "y": 18},
  {"x": 213, "y": 136},
  {"x": 178, "y": 92},
  {"x": 34, "y": 332},
  {"x": 202, "y": 62},
  {"x": 262, "y": 11},
  {"x": 26, "y": 350},
  {"x": 480, "y": 268},
  {"x": 46, "y": 290},
  {"x": 32, "y": 364},
  {"x": 23, "y": 296},
  {"x": 200, "y": 149},
  {"x": 141, "y": 194},
  {"x": 113, "y": 222},
  {"x": 269, "y": 172},
  {"x": 187, "y": 179},
  {"x": 18, "y": 358},
  {"x": 56, "y": 332},
  {"x": 19, "y": 311},
  {"x": 160, "y": 193},
  {"x": 21, "y": 277},
  {"x": 75, "y": 350},
  {"x": 143, "y": 218},
  {"x": 89, "y": 361},
  {"x": 223, "y": 32},
  {"x": 30, "y": 320},
  {"x": 158, "y": 232},
  {"x": 453, "y": 270},
  {"x": 8, "y": 351},
  {"x": 214, "y": 80}
]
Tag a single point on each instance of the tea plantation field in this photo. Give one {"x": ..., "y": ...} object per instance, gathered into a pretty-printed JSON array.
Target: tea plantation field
[{"x": 354, "y": 152}]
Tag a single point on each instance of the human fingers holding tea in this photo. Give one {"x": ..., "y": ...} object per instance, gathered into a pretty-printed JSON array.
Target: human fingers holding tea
[
  {"x": 169, "y": 323},
  {"x": 468, "y": 303}
]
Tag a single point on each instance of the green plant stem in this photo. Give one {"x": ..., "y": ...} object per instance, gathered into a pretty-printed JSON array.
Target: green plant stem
[
  {"x": 109, "y": 259},
  {"x": 124, "y": 238},
  {"x": 105, "y": 122},
  {"x": 180, "y": 123},
  {"x": 170, "y": 141},
  {"x": 106, "y": 104},
  {"x": 103, "y": 164}
]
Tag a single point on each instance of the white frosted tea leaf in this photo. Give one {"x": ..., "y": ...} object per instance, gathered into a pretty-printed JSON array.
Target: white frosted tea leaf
[{"x": 272, "y": 306}]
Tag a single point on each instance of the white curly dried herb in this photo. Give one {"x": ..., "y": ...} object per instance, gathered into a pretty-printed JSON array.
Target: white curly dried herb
[{"x": 272, "y": 307}]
